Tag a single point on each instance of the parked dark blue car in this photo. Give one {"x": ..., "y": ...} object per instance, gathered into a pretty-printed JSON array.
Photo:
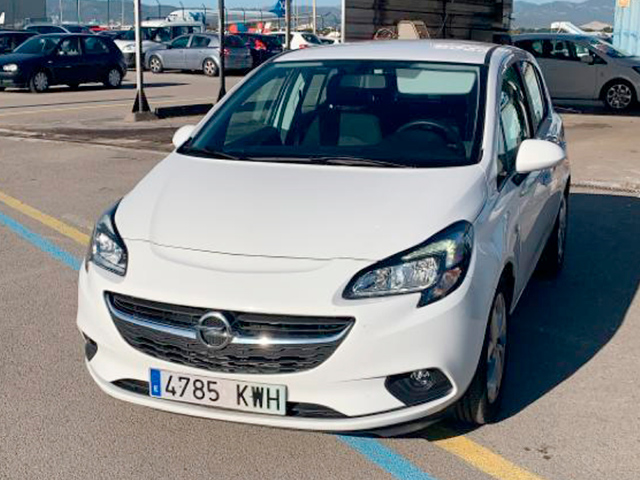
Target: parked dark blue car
[{"x": 62, "y": 59}]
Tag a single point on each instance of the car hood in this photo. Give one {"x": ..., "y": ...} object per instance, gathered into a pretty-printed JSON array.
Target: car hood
[
  {"x": 18, "y": 58},
  {"x": 296, "y": 210},
  {"x": 629, "y": 61}
]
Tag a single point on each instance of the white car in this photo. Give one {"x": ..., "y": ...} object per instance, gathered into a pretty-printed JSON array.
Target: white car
[
  {"x": 338, "y": 245},
  {"x": 299, "y": 40}
]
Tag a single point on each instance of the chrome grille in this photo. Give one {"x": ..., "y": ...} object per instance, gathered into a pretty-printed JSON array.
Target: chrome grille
[{"x": 262, "y": 343}]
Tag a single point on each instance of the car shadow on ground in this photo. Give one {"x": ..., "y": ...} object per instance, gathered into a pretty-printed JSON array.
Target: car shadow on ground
[
  {"x": 560, "y": 325},
  {"x": 593, "y": 108}
]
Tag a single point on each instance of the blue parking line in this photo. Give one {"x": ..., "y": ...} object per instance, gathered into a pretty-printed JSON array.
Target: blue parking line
[
  {"x": 43, "y": 244},
  {"x": 370, "y": 448},
  {"x": 385, "y": 458}
]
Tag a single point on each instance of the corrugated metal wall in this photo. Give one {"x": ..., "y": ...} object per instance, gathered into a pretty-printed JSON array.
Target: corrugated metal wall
[
  {"x": 16, "y": 11},
  {"x": 466, "y": 19},
  {"x": 626, "y": 28}
]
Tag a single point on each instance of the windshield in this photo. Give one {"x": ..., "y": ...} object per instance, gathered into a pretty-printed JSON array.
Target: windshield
[
  {"x": 311, "y": 38},
  {"x": 608, "y": 49},
  {"x": 44, "y": 44},
  {"x": 399, "y": 113}
]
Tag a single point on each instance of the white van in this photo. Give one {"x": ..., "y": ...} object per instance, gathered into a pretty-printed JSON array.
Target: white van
[{"x": 155, "y": 34}]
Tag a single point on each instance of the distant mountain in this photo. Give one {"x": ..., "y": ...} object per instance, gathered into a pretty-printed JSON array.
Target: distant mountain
[{"x": 527, "y": 14}]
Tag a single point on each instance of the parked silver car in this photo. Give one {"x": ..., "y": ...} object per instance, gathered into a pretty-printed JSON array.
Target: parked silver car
[
  {"x": 200, "y": 52},
  {"x": 580, "y": 67}
]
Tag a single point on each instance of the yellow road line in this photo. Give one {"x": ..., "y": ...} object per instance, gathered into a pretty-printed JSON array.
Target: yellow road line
[
  {"x": 52, "y": 108},
  {"x": 47, "y": 220},
  {"x": 478, "y": 456},
  {"x": 462, "y": 447}
]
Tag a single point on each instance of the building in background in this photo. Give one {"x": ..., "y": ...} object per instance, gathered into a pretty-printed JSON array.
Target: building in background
[
  {"x": 463, "y": 19},
  {"x": 626, "y": 26},
  {"x": 17, "y": 12}
]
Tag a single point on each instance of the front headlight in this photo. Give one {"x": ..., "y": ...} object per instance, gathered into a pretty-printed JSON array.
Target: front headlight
[
  {"x": 129, "y": 48},
  {"x": 10, "y": 67},
  {"x": 435, "y": 268},
  {"x": 107, "y": 249}
]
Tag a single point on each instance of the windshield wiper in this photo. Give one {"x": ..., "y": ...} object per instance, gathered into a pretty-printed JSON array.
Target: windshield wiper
[
  {"x": 207, "y": 153},
  {"x": 356, "y": 161}
]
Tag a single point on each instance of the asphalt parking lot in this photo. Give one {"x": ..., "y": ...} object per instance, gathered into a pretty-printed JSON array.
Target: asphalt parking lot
[{"x": 571, "y": 405}]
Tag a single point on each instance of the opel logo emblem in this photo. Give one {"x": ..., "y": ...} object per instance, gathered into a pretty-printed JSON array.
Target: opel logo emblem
[{"x": 214, "y": 330}]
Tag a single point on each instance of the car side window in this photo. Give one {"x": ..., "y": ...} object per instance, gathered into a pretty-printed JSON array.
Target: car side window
[
  {"x": 514, "y": 128},
  {"x": 199, "y": 42},
  {"x": 94, "y": 46},
  {"x": 534, "y": 47},
  {"x": 180, "y": 42},
  {"x": 69, "y": 47},
  {"x": 535, "y": 94}
]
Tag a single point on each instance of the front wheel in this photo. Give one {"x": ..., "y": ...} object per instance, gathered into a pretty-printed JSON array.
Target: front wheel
[
  {"x": 114, "y": 78},
  {"x": 155, "y": 64},
  {"x": 39, "y": 82},
  {"x": 481, "y": 402},
  {"x": 552, "y": 258},
  {"x": 619, "y": 96},
  {"x": 210, "y": 68}
]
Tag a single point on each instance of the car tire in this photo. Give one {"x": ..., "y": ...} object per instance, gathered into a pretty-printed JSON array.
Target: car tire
[
  {"x": 2, "y": 89},
  {"x": 481, "y": 402},
  {"x": 113, "y": 79},
  {"x": 552, "y": 258},
  {"x": 619, "y": 96},
  {"x": 155, "y": 64},
  {"x": 210, "y": 68},
  {"x": 39, "y": 82}
]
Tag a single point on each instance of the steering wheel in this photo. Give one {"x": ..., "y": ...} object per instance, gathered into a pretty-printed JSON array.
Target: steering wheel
[{"x": 446, "y": 132}]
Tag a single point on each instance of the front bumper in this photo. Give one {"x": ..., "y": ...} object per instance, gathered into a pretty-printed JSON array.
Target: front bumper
[
  {"x": 13, "y": 80},
  {"x": 389, "y": 336}
]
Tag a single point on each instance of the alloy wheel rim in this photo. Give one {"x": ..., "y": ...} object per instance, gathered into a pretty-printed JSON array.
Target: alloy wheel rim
[
  {"x": 562, "y": 229},
  {"x": 155, "y": 65},
  {"x": 619, "y": 96},
  {"x": 114, "y": 78},
  {"x": 209, "y": 68},
  {"x": 497, "y": 348},
  {"x": 41, "y": 81}
]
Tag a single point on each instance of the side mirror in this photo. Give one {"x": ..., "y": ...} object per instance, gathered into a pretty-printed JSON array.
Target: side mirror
[
  {"x": 537, "y": 155},
  {"x": 588, "y": 59},
  {"x": 182, "y": 135}
]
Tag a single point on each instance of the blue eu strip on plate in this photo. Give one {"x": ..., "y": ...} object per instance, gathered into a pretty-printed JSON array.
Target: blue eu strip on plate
[{"x": 156, "y": 384}]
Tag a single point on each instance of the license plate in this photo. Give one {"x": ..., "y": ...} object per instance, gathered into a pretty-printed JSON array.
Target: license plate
[{"x": 215, "y": 392}]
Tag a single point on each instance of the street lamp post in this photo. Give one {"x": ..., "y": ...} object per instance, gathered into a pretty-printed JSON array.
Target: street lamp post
[
  {"x": 221, "y": 27},
  {"x": 287, "y": 24},
  {"x": 108, "y": 12},
  {"x": 140, "y": 106},
  {"x": 78, "y": 6},
  {"x": 159, "y": 9}
]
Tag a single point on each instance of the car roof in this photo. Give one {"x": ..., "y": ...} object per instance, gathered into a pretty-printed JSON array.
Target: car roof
[{"x": 442, "y": 51}]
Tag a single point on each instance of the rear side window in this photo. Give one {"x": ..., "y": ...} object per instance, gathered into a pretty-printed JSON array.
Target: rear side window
[
  {"x": 534, "y": 47},
  {"x": 233, "y": 41},
  {"x": 94, "y": 46},
  {"x": 537, "y": 101}
]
